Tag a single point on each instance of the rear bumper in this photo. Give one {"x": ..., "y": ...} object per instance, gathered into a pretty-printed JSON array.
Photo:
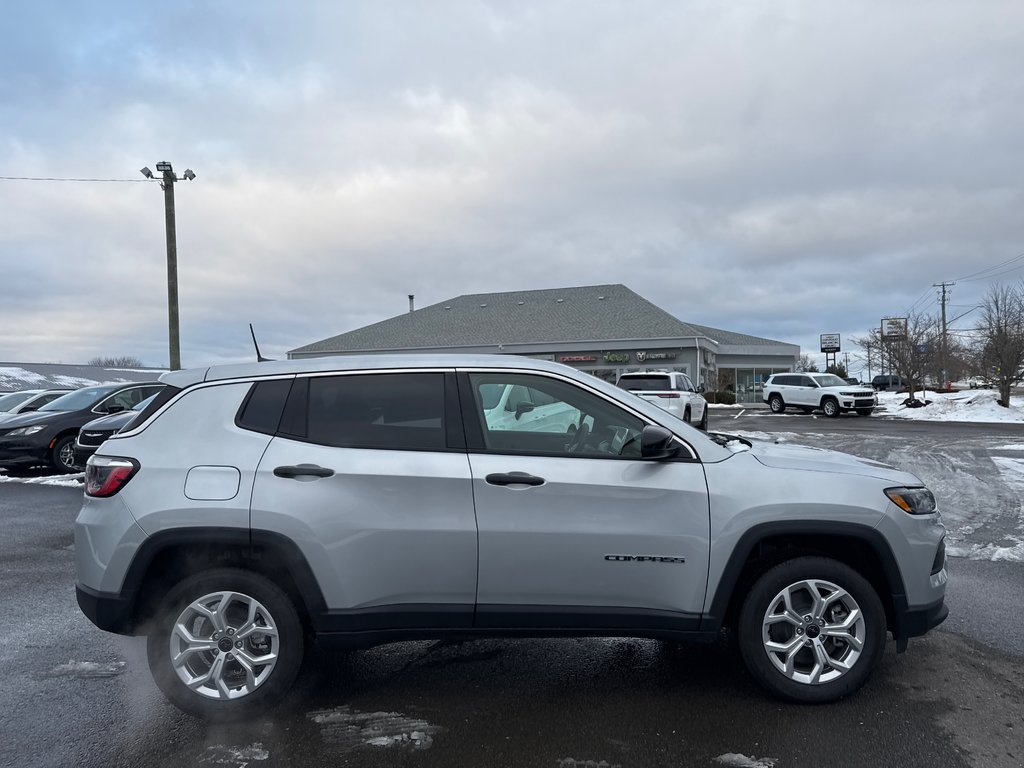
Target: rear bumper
[{"x": 111, "y": 612}]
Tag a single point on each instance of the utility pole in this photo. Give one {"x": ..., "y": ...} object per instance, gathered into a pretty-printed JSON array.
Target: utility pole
[
  {"x": 167, "y": 185},
  {"x": 942, "y": 361}
]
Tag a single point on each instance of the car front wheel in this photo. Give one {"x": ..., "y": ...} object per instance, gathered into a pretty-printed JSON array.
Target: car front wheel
[
  {"x": 776, "y": 404},
  {"x": 228, "y": 645},
  {"x": 62, "y": 455},
  {"x": 704, "y": 420},
  {"x": 830, "y": 407},
  {"x": 812, "y": 630}
]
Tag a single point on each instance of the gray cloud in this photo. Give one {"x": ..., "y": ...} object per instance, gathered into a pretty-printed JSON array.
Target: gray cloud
[{"x": 780, "y": 169}]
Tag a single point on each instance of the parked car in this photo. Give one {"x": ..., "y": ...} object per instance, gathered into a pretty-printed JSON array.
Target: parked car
[
  {"x": 852, "y": 380},
  {"x": 366, "y": 500},
  {"x": 27, "y": 401},
  {"x": 92, "y": 435},
  {"x": 810, "y": 391},
  {"x": 886, "y": 383},
  {"x": 977, "y": 382},
  {"x": 670, "y": 390},
  {"x": 47, "y": 436}
]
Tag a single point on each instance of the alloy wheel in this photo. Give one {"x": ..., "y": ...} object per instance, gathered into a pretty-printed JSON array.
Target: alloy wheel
[
  {"x": 224, "y": 645},
  {"x": 813, "y": 631}
]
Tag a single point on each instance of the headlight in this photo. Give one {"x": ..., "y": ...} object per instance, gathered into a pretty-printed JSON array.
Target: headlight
[
  {"x": 913, "y": 501},
  {"x": 27, "y": 430}
]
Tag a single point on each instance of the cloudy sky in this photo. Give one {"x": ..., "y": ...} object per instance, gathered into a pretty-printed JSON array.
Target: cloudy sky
[{"x": 781, "y": 168}]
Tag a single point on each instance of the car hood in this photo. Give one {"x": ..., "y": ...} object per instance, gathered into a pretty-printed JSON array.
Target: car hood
[
  {"x": 36, "y": 417},
  {"x": 112, "y": 421},
  {"x": 804, "y": 457}
]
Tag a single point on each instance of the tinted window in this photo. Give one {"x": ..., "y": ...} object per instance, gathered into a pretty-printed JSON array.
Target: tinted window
[
  {"x": 400, "y": 411},
  {"x": 127, "y": 399},
  {"x": 261, "y": 411},
  {"x": 539, "y": 415},
  {"x": 637, "y": 383}
]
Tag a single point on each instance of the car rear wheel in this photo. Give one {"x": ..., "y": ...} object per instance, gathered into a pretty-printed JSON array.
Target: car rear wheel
[
  {"x": 830, "y": 406},
  {"x": 686, "y": 415},
  {"x": 812, "y": 630},
  {"x": 776, "y": 404},
  {"x": 62, "y": 455},
  {"x": 228, "y": 644}
]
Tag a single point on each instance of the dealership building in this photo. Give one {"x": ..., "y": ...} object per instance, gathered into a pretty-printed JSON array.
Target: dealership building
[{"x": 605, "y": 330}]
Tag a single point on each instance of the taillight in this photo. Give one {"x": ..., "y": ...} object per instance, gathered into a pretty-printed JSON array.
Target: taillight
[{"x": 106, "y": 475}]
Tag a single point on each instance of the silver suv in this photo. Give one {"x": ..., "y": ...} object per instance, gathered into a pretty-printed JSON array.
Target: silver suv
[{"x": 364, "y": 500}]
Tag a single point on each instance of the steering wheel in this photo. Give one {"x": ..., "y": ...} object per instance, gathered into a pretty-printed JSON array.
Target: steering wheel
[{"x": 579, "y": 439}]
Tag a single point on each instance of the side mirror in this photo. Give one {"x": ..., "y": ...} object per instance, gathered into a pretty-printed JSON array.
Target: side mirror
[
  {"x": 656, "y": 443},
  {"x": 701, "y": 388},
  {"x": 114, "y": 408},
  {"x": 523, "y": 407}
]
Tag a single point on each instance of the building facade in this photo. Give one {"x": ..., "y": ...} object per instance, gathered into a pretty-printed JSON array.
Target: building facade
[{"x": 605, "y": 330}]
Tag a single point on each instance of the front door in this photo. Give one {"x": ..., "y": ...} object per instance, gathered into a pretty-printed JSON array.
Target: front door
[{"x": 575, "y": 530}]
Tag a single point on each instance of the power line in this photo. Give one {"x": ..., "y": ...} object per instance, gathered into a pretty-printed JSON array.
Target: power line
[
  {"x": 974, "y": 275},
  {"x": 55, "y": 178}
]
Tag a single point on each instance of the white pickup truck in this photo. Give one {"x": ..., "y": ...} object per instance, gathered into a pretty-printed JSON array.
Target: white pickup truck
[{"x": 671, "y": 390}]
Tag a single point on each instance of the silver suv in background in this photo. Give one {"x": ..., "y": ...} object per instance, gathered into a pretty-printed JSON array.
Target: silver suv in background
[
  {"x": 811, "y": 391},
  {"x": 356, "y": 501},
  {"x": 670, "y": 390}
]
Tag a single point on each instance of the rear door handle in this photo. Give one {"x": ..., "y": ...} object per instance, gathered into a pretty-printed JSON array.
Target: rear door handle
[
  {"x": 514, "y": 478},
  {"x": 303, "y": 470}
]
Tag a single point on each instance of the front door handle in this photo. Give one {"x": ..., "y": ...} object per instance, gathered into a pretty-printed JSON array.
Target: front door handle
[
  {"x": 514, "y": 478},
  {"x": 303, "y": 470}
]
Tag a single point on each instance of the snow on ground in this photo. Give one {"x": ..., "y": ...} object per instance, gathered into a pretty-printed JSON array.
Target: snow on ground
[
  {"x": 68, "y": 481},
  {"x": 978, "y": 405}
]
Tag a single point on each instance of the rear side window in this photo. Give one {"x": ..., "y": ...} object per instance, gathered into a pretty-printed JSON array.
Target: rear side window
[
  {"x": 644, "y": 383},
  {"x": 165, "y": 393},
  {"x": 261, "y": 411},
  {"x": 396, "y": 411}
]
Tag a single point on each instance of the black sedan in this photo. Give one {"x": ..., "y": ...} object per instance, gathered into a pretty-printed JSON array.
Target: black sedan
[
  {"x": 47, "y": 437},
  {"x": 92, "y": 435}
]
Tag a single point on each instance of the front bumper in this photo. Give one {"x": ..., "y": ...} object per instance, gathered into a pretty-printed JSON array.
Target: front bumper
[
  {"x": 914, "y": 622},
  {"x": 24, "y": 451}
]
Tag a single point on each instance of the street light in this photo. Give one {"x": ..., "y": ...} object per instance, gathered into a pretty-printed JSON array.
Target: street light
[{"x": 167, "y": 185}]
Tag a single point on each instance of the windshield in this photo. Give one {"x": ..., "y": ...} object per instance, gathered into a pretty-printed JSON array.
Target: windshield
[
  {"x": 829, "y": 380},
  {"x": 78, "y": 400},
  {"x": 14, "y": 399}
]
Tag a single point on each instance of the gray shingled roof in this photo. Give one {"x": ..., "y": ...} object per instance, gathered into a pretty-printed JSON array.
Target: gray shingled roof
[
  {"x": 736, "y": 339},
  {"x": 18, "y": 376},
  {"x": 587, "y": 313}
]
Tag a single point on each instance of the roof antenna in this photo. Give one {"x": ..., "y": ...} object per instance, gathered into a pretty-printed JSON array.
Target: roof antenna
[{"x": 259, "y": 358}]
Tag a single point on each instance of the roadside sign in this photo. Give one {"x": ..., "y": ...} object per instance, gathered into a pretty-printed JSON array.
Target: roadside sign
[{"x": 830, "y": 342}]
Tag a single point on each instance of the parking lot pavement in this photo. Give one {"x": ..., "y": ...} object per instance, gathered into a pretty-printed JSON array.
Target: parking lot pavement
[{"x": 75, "y": 696}]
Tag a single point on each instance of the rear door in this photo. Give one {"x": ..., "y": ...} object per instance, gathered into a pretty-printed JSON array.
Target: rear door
[
  {"x": 575, "y": 530},
  {"x": 368, "y": 474}
]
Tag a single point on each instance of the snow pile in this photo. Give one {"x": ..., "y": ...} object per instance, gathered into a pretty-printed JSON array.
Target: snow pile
[{"x": 977, "y": 406}]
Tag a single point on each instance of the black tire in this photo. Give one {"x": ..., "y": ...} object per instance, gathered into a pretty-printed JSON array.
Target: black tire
[
  {"x": 864, "y": 411},
  {"x": 830, "y": 406},
  {"x": 275, "y": 610},
  {"x": 766, "y": 595},
  {"x": 62, "y": 455},
  {"x": 703, "y": 426},
  {"x": 776, "y": 403},
  {"x": 686, "y": 415}
]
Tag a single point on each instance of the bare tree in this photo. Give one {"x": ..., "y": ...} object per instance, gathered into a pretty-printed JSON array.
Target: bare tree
[
  {"x": 124, "y": 361},
  {"x": 806, "y": 364},
  {"x": 1002, "y": 338}
]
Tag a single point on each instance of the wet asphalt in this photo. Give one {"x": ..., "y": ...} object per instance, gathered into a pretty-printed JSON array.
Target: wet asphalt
[{"x": 76, "y": 696}]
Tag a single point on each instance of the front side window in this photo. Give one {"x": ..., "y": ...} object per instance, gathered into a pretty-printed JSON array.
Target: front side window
[
  {"x": 396, "y": 411},
  {"x": 520, "y": 413}
]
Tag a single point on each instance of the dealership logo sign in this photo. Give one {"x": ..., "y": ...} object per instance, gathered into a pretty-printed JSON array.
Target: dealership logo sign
[
  {"x": 578, "y": 359},
  {"x": 617, "y": 357},
  {"x": 643, "y": 357}
]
